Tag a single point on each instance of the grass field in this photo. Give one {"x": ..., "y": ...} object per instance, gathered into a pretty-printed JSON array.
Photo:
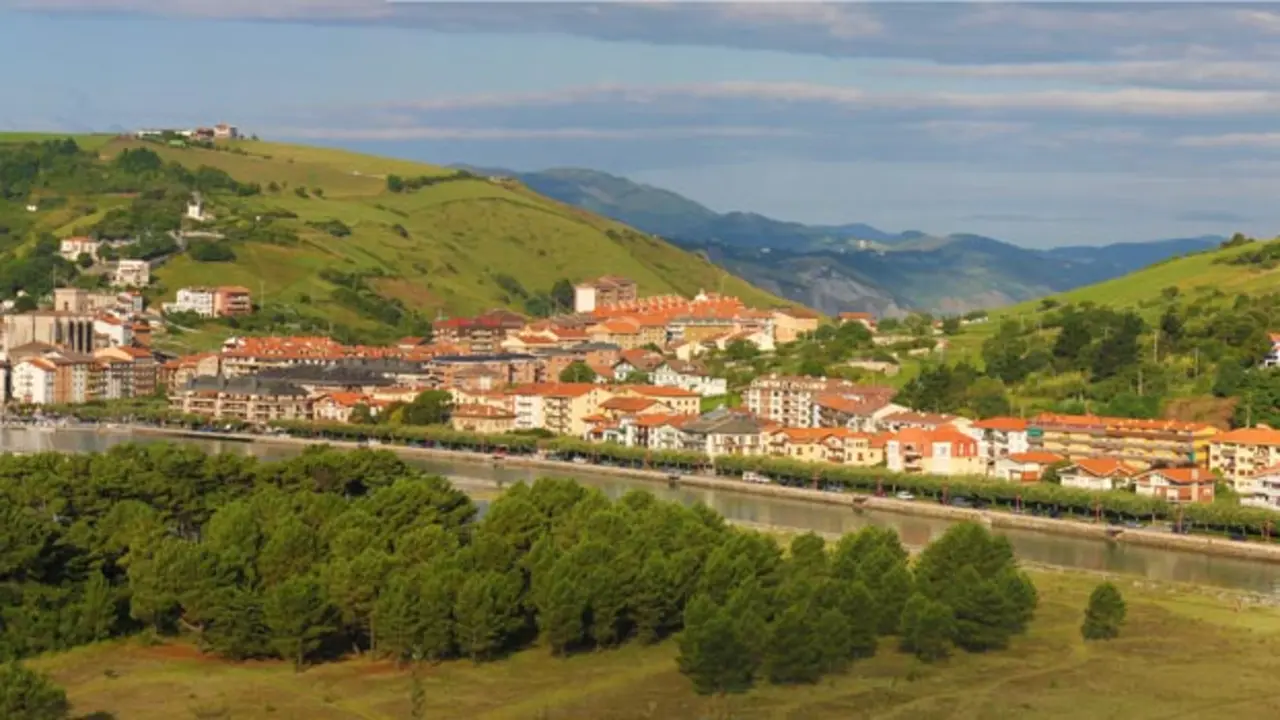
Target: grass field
[
  {"x": 1185, "y": 653},
  {"x": 445, "y": 243}
]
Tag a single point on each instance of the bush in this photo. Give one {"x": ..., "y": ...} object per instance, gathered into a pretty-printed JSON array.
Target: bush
[
  {"x": 1105, "y": 613},
  {"x": 208, "y": 251}
]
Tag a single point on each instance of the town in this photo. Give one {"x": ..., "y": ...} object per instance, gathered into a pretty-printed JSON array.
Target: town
[{"x": 620, "y": 369}]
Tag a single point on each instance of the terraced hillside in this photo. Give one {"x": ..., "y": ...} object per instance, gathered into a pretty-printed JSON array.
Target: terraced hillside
[{"x": 318, "y": 232}]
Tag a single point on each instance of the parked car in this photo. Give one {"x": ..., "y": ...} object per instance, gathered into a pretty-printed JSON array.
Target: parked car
[{"x": 904, "y": 495}]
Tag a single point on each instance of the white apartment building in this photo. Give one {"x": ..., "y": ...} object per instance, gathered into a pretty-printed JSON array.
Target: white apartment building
[
  {"x": 33, "y": 381},
  {"x": 72, "y": 248},
  {"x": 1000, "y": 437},
  {"x": 688, "y": 376},
  {"x": 132, "y": 273},
  {"x": 1265, "y": 489},
  {"x": 200, "y": 301}
]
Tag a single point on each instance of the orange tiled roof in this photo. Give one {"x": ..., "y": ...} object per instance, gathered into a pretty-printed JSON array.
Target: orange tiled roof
[
  {"x": 1250, "y": 436},
  {"x": 481, "y": 411},
  {"x": 659, "y": 391},
  {"x": 1038, "y": 457},
  {"x": 1104, "y": 467},
  {"x": 658, "y": 420},
  {"x": 553, "y": 389},
  {"x": 346, "y": 399},
  {"x": 1003, "y": 424},
  {"x": 1183, "y": 475},
  {"x": 1117, "y": 423},
  {"x": 628, "y": 404}
]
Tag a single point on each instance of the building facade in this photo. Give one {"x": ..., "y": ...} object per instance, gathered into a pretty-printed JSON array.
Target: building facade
[{"x": 1140, "y": 442}]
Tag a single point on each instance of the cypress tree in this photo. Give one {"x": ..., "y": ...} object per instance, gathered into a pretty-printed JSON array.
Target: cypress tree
[{"x": 1105, "y": 613}]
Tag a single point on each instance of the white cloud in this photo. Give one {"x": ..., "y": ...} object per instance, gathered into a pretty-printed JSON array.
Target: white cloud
[
  {"x": 1257, "y": 140},
  {"x": 1136, "y": 72},
  {"x": 843, "y": 21},
  {"x": 258, "y": 9},
  {"x": 568, "y": 133},
  {"x": 1135, "y": 101}
]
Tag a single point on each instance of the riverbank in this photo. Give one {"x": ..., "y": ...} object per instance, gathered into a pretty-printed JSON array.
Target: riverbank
[{"x": 995, "y": 519}]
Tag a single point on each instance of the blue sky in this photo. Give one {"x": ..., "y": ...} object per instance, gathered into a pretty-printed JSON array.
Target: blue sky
[{"x": 1040, "y": 123}]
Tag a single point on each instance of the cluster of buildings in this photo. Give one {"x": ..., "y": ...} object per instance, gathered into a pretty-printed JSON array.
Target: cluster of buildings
[
  {"x": 210, "y": 302},
  {"x": 221, "y": 131},
  {"x": 90, "y": 346},
  {"x": 125, "y": 273}
]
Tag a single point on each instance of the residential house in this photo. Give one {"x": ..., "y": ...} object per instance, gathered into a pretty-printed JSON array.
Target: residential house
[
  {"x": 632, "y": 361},
  {"x": 865, "y": 319},
  {"x": 1097, "y": 474},
  {"x": 232, "y": 300},
  {"x": 681, "y": 402},
  {"x": 790, "y": 323},
  {"x": 76, "y": 379},
  {"x": 926, "y": 421},
  {"x": 828, "y": 445},
  {"x": 1021, "y": 466},
  {"x": 338, "y": 406},
  {"x": 1144, "y": 442},
  {"x": 33, "y": 381},
  {"x": 622, "y": 406},
  {"x": 790, "y": 400},
  {"x": 223, "y": 131},
  {"x": 132, "y": 273},
  {"x": 248, "y": 399},
  {"x": 623, "y": 332},
  {"x": 942, "y": 451},
  {"x": 1265, "y": 489},
  {"x": 1273, "y": 356},
  {"x": 859, "y": 412},
  {"x": 725, "y": 432},
  {"x": 1177, "y": 485},
  {"x": 603, "y": 292},
  {"x": 1240, "y": 454},
  {"x": 562, "y": 408},
  {"x": 483, "y": 334},
  {"x": 116, "y": 378},
  {"x": 114, "y": 331},
  {"x": 688, "y": 376},
  {"x": 142, "y": 364},
  {"x": 72, "y": 248},
  {"x": 485, "y": 419},
  {"x": 502, "y": 369},
  {"x": 1000, "y": 437}
]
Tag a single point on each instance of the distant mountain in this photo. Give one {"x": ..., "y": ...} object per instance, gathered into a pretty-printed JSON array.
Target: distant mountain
[{"x": 856, "y": 266}]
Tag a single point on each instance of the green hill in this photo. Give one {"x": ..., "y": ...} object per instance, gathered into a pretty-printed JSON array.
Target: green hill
[
  {"x": 1184, "y": 338},
  {"x": 319, "y": 237}
]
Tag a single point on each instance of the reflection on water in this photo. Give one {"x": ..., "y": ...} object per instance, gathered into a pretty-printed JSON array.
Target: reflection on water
[{"x": 1044, "y": 549}]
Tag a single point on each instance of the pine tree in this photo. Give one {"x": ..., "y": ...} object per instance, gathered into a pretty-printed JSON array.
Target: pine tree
[
  {"x": 712, "y": 652},
  {"x": 29, "y": 695},
  {"x": 795, "y": 653},
  {"x": 299, "y": 617},
  {"x": 1105, "y": 614},
  {"x": 926, "y": 627}
]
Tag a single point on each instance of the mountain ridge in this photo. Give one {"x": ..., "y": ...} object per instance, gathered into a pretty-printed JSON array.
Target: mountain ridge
[{"x": 853, "y": 266}]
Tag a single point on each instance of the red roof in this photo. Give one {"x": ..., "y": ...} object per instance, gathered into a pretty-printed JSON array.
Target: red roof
[
  {"x": 1003, "y": 424},
  {"x": 481, "y": 411},
  {"x": 1182, "y": 475},
  {"x": 660, "y": 391},
  {"x": 1250, "y": 436},
  {"x": 1104, "y": 467},
  {"x": 628, "y": 404},
  {"x": 1036, "y": 457}
]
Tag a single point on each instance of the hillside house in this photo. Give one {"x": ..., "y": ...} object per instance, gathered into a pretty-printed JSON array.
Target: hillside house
[
  {"x": 1026, "y": 467},
  {"x": 1177, "y": 485},
  {"x": 1097, "y": 474},
  {"x": 688, "y": 376}
]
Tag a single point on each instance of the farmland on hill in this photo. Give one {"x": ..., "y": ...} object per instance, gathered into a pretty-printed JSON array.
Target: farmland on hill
[
  {"x": 1181, "y": 339},
  {"x": 318, "y": 236}
]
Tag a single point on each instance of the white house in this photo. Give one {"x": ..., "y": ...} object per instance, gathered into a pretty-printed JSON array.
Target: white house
[
  {"x": 194, "y": 300},
  {"x": 72, "y": 248},
  {"x": 530, "y": 411},
  {"x": 132, "y": 273},
  {"x": 33, "y": 381},
  {"x": 1266, "y": 489},
  {"x": 1098, "y": 474},
  {"x": 584, "y": 298},
  {"x": 118, "y": 332},
  {"x": 1273, "y": 358},
  {"x": 195, "y": 208},
  {"x": 688, "y": 376}
]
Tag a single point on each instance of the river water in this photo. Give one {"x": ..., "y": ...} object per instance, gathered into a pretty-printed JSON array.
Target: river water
[{"x": 483, "y": 479}]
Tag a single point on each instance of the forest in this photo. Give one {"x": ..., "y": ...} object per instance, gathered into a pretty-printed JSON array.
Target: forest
[{"x": 332, "y": 553}]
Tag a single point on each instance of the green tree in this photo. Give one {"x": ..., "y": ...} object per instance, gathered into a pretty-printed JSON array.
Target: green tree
[
  {"x": 395, "y": 183},
  {"x": 432, "y": 407},
  {"x": 562, "y": 295},
  {"x": 299, "y": 618},
  {"x": 28, "y": 695},
  {"x": 1105, "y": 614},
  {"x": 712, "y": 652},
  {"x": 577, "y": 372},
  {"x": 361, "y": 415},
  {"x": 795, "y": 653},
  {"x": 926, "y": 628},
  {"x": 84, "y": 260}
]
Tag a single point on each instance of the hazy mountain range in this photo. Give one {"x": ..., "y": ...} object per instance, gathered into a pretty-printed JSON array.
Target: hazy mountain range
[{"x": 836, "y": 268}]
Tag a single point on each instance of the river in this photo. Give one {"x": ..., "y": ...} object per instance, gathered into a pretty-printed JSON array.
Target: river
[{"x": 484, "y": 479}]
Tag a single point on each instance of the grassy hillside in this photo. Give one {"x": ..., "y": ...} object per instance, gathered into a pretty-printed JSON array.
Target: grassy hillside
[
  {"x": 1210, "y": 655},
  {"x": 458, "y": 245}
]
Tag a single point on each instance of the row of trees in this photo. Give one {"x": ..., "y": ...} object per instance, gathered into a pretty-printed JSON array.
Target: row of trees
[
  {"x": 795, "y": 618},
  {"x": 312, "y": 558}
]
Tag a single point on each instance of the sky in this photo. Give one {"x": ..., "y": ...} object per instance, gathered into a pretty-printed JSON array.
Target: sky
[{"x": 1039, "y": 123}]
